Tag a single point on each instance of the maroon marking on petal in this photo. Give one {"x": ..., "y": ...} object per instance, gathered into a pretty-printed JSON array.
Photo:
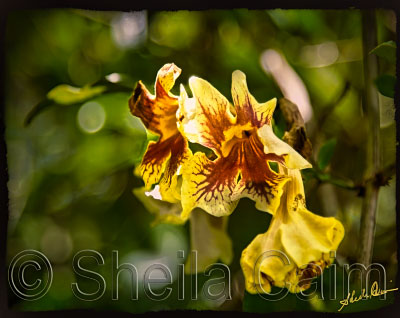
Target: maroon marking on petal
[
  {"x": 247, "y": 157},
  {"x": 257, "y": 175},
  {"x": 216, "y": 122},
  {"x": 140, "y": 105},
  {"x": 157, "y": 114},
  {"x": 160, "y": 91},
  {"x": 158, "y": 152},
  {"x": 178, "y": 154},
  {"x": 218, "y": 174},
  {"x": 306, "y": 275},
  {"x": 247, "y": 114}
]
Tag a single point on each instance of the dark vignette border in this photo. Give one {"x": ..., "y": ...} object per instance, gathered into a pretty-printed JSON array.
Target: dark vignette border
[{"x": 121, "y": 5}]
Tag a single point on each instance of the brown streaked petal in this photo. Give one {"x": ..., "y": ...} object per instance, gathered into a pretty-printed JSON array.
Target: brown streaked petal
[
  {"x": 154, "y": 161},
  {"x": 170, "y": 187},
  {"x": 163, "y": 157},
  {"x": 216, "y": 186},
  {"x": 165, "y": 80},
  {"x": 206, "y": 117},
  {"x": 157, "y": 112},
  {"x": 247, "y": 108},
  {"x": 209, "y": 184},
  {"x": 258, "y": 182}
]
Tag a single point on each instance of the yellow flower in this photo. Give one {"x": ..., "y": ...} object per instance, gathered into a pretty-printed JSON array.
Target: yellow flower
[
  {"x": 163, "y": 159},
  {"x": 243, "y": 142},
  {"x": 296, "y": 246},
  {"x": 208, "y": 234}
]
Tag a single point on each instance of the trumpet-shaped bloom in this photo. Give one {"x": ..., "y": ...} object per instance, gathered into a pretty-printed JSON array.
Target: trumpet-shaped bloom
[
  {"x": 163, "y": 158},
  {"x": 243, "y": 142},
  {"x": 295, "y": 249}
]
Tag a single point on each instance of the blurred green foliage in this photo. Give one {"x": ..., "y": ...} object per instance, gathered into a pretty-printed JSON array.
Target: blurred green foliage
[
  {"x": 386, "y": 50},
  {"x": 386, "y": 84},
  {"x": 71, "y": 168},
  {"x": 325, "y": 153}
]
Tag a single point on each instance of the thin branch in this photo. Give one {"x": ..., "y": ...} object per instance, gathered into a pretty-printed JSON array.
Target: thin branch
[
  {"x": 371, "y": 107},
  {"x": 341, "y": 183}
]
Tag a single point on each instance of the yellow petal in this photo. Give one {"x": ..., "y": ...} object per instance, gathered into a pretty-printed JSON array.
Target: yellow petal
[
  {"x": 186, "y": 117},
  {"x": 166, "y": 78},
  {"x": 255, "y": 282},
  {"x": 215, "y": 186},
  {"x": 301, "y": 228},
  {"x": 247, "y": 108},
  {"x": 170, "y": 183},
  {"x": 272, "y": 144},
  {"x": 163, "y": 158},
  {"x": 157, "y": 112},
  {"x": 207, "y": 119},
  {"x": 263, "y": 263},
  {"x": 307, "y": 236},
  {"x": 283, "y": 259},
  {"x": 265, "y": 193},
  {"x": 153, "y": 164},
  {"x": 258, "y": 182},
  {"x": 204, "y": 118},
  {"x": 208, "y": 185},
  {"x": 209, "y": 239},
  {"x": 161, "y": 162},
  {"x": 304, "y": 239}
]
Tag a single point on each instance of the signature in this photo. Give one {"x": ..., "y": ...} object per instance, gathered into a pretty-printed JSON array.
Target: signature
[{"x": 375, "y": 291}]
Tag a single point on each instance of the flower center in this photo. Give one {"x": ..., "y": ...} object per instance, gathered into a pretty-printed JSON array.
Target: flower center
[
  {"x": 240, "y": 135},
  {"x": 246, "y": 133}
]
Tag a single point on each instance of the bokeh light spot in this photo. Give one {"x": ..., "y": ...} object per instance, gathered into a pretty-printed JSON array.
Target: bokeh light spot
[
  {"x": 56, "y": 244},
  {"x": 129, "y": 28},
  {"x": 91, "y": 117}
]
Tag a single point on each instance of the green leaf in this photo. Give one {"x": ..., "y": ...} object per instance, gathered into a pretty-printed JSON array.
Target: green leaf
[
  {"x": 385, "y": 84},
  {"x": 386, "y": 50},
  {"x": 279, "y": 124},
  {"x": 67, "y": 95},
  {"x": 325, "y": 153},
  {"x": 273, "y": 166},
  {"x": 64, "y": 95}
]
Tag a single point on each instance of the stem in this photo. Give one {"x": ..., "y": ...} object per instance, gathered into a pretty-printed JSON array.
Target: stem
[
  {"x": 371, "y": 107},
  {"x": 345, "y": 184}
]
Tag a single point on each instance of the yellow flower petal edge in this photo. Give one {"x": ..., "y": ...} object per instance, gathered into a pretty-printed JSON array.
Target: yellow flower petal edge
[
  {"x": 272, "y": 144},
  {"x": 162, "y": 160},
  {"x": 241, "y": 168},
  {"x": 247, "y": 108},
  {"x": 295, "y": 249}
]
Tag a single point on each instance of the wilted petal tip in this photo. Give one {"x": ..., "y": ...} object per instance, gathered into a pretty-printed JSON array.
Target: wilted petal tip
[{"x": 238, "y": 75}]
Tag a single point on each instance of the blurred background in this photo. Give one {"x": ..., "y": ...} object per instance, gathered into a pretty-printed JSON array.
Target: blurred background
[{"x": 71, "y": 155}]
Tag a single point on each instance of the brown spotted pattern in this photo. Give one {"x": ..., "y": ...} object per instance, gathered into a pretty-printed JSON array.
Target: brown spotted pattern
[{"x": 158, "y": 114}]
